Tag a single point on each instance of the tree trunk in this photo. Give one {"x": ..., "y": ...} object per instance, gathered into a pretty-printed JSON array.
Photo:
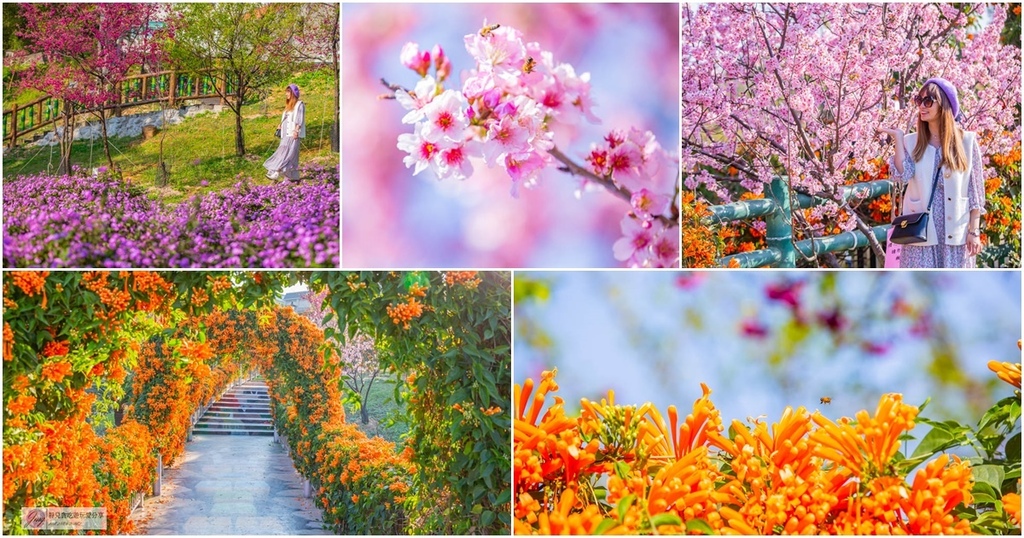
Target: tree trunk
[
  {"x": 239, "y": 134},
  {"x": 364, "y": 415},
  {"x": 106, "y": 139},
  {"x": 66, "y": 138},
  {"x": 163, "y": 176}
]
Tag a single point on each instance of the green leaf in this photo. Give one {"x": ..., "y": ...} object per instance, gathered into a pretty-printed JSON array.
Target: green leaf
[
  {"x": 1013, "y": 448},
  {"x": 624, "y": 505},
  {"x": 937, "y": 440},
  {"x": 699, "y": 525},
  {"x": 605, "y": 526},
  {"x": 666, "y": 518},
  {"x": 989, "y": 474},
  {"x": 621, "y": 470},
  {"x": 487, "y": 518}
]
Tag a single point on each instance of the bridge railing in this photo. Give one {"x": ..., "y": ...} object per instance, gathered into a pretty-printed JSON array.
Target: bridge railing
[
  {"x": 777, "y": 209},
  {"x": 136, "y": 90}
]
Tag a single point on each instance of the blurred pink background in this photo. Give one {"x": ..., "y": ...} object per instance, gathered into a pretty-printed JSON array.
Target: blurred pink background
[{"x": 392, "y": 219}]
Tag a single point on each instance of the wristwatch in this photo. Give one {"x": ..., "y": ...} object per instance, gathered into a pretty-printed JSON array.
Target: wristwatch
[{"x": 976, "y": 233}]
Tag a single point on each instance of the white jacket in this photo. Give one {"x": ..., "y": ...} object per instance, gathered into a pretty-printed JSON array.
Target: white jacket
[
  {"x": 297, "y": 119},
  {"x": 919, "y": 192}
]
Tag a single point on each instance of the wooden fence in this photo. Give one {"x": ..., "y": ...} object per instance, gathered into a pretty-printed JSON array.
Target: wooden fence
[{"x": 171, "y": 87}]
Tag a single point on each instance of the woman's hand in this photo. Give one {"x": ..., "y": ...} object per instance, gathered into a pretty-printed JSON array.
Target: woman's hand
[
  {"x": 973, "y": 244},
  {"x": 897, "y": 137},
  {"x": 896, "y": 133}
]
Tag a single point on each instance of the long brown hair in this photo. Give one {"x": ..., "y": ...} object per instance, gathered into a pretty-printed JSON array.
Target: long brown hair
[
  {"x": 951, "y": 137},
  {"x": 290, "y": 100}
]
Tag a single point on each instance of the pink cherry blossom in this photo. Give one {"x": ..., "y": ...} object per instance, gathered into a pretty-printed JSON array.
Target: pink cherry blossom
[
  {"x": 523, "y": 169},
  {"x": 414, "y": 101},
  {"x": 421, "y": 151},
  {"x": 647, "y": 244},
  {"x": 445, "y": 118},
  {"x": 647, "y": 204},
  {"x": 504, "y": 137},
  {"x": 454, "y": 163},
  {"x": 501, "y": 51}
]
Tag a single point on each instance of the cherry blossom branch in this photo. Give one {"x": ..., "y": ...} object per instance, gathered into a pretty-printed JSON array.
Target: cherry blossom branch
[
  {"x": 578, "y": 170},
  {"x": 504, "y": 112},
  {"x": 574, "y": 169}
]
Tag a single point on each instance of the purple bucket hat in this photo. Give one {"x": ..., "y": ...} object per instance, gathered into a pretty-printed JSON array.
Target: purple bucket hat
[
  {"x": 949, "y": 90},
  {"x": 295, "y": 90}
]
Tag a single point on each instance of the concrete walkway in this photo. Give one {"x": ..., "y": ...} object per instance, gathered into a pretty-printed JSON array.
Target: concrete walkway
[{"x": 227, "y": 484}]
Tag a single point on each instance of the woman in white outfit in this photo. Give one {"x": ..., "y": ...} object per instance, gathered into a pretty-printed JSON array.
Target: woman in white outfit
[
  {"x": 285, "y": 161},
  {"x": 941, "y": 147}
]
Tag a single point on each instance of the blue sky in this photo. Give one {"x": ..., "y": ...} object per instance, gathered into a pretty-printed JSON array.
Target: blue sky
[{"x": 643, "y": 336}]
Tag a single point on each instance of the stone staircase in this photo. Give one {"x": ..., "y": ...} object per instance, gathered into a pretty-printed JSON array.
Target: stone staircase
[{"x": 243, "y": 410}]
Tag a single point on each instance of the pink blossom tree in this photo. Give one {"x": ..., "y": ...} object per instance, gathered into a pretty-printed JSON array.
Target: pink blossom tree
[
  {"x": 86, "y": 50},
  {"x": 360, "y": 364},
  {"x": 797, "y": 90}
]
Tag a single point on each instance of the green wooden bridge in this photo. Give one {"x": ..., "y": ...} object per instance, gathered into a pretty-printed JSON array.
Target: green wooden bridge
[{"x": 171, "y": 87}]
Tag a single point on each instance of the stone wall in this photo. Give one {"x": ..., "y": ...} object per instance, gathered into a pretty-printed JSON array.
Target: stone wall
[{"x": 131, "y": 125}]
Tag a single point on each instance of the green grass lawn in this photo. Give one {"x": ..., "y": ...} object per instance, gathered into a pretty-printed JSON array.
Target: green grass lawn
[
  {"x": 200, "y": 151},
  {"x": 382, "y": 407}
]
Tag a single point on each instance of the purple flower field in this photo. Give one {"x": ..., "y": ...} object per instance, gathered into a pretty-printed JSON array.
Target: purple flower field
[{"x": 75, "y": 221}]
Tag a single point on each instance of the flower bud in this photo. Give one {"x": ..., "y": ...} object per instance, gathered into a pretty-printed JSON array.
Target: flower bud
[
  {"x": 414, "y": 59},
  {"x": 441, "y": 63}
]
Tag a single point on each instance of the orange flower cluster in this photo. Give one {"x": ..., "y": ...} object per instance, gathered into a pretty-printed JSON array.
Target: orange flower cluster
[
  {"x": 625, "y": 469},
  {"x": 1007, "y": 371},
  {"x": 126, "y": 465},
  {"x": 31, "y": 283},
  {"x": 403, "y": 313},
  {"x": 699, "y": 247},
  {"x": 363, "y": 481},
  {"x": 158, "y": 290},
  {"x": 200, "y": 297},
  {"x": 465, "y": 278},
  {"x": 219, "y": 284},
  {"x": 55, "y": 349},
  {"x": 1011, "y": 502},
  {"x": 21, "y": 405},
  {"x": 115, "y": 300},
  {"x": 8, "y": 342},
  {"x": 56, "y": 371}
]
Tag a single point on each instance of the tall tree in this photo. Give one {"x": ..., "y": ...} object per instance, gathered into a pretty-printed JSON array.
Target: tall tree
[
  {"x": 319, "y": 42},
  {"x": 86, "y": 50},
  {"x": 248, "y": 47}
]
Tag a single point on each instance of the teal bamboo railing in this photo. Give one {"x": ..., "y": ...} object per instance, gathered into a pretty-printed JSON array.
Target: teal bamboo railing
[{"x": 777, "y": 210}]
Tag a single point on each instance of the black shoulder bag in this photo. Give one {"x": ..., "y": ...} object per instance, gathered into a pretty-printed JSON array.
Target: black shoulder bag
[{"x": 913, "y": 228}]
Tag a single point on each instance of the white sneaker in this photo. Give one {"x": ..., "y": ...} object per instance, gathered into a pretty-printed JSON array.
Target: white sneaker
[{"x": 273, "y": 174}]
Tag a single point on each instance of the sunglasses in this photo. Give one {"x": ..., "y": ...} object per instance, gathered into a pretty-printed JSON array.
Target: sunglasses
[{"x": 925, "y": 101}]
